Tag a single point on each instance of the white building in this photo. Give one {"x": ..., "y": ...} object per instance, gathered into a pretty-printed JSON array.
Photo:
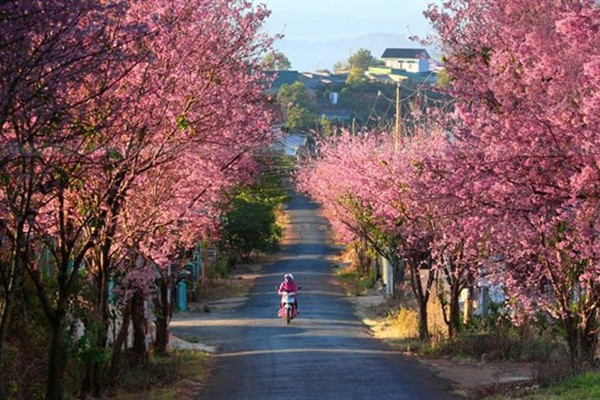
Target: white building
[{"x": 410, "y": 60}]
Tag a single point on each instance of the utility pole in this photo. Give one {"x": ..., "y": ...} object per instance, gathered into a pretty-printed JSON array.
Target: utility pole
[{"x": 397, "y": 131}]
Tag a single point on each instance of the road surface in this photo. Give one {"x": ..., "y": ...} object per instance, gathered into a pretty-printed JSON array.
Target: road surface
[{"x": 326, "y": 353}]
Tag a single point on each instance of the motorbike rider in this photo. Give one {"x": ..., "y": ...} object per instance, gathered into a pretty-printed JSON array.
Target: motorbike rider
[{"x": 288, "y": 285}]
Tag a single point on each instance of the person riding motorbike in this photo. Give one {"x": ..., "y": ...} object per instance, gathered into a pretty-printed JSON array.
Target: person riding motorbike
[{"x": 288, "y": 285}]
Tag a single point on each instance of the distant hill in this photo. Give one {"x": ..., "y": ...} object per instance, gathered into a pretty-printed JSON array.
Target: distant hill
[{"x": 307, "y": 55}]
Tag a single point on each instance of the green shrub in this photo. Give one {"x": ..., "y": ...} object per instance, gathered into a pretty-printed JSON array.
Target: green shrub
[{"x": 500, "y": 340}]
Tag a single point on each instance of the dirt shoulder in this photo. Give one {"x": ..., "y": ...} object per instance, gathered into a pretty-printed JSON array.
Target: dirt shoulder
[
  {"x": 473, "y": 379},
  {"x": 219, "y": 296}
]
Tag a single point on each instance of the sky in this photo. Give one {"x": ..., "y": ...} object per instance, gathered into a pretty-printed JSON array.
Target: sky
[
  {"x": 314, "y": 30},
  {"x": 338, "y": 19}
]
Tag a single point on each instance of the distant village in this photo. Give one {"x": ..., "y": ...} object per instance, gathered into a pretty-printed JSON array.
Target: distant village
[
  {"x": 405, "y": 65},
  {"x": 340, "y": 100}
]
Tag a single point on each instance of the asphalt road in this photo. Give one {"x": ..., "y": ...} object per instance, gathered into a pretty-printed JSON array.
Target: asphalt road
[{"x": 326, "y": 353}]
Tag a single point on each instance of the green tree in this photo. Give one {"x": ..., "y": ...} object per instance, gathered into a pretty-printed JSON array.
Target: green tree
[
  {"x": 326, "y": 127},
  {"x": 357, "y": 64},
  {"x": 295, "y": 94},
  {"x": 356, "y": 76},
  {"x": 298, "y": 107},
  {"x": 362, "y": 59},
  {"x": 276, "y": 61},
  {"x": 340, "y": 66},
  {"x": 299, "y": 119},
  {"x": 251, "y": 225}
]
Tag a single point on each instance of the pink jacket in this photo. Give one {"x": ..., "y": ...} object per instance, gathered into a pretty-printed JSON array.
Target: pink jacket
[{"x": 287, "y": 287}]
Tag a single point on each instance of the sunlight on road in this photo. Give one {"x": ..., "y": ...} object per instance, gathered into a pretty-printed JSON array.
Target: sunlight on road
[
  {"x": 307, "y": 323},
  {"x": 335, "y": 350}
]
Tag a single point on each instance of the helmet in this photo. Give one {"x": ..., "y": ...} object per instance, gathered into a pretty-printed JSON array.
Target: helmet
[{"x": 288, "y": 277}]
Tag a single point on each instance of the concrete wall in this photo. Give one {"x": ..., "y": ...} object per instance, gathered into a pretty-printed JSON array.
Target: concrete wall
[{"x": 387, "y": 275}]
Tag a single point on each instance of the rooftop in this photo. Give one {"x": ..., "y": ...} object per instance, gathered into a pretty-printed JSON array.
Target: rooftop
[
  {"x": 285, "y": 77},
  {"x": 405, "y": 53}
]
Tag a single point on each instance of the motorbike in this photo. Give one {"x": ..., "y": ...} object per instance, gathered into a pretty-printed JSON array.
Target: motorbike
[{"x": 287, "y": 310}]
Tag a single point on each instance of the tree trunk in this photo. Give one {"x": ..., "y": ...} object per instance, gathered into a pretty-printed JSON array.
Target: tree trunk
[
  {"x": 359, "y": 258},
  {"x": 118, "y": 344},
  {"x": 56, "y": 359},
  {"x": 3, "y": 394},
  {"x": 485, "y": 302},
  {"x": 12, "y": 278},
  {"x": 468, "y": 306},
  {"x": 138, "y": 319},
  {"x": 204, "y": 277},
  {"x": 93, "y": 381},
  {"x": 399, "y": 277},
  {"x": 90, "y": 383},
  {"x": 423, "y": 322},
  {"x": 4, "y": 322},
  {"x": 421, "y": 295},
  {"x": 454, "y": 322},
  {"x": 163, "y": 307},
  {"x": 582, "y": 343},
  {"x": 57, "y": 354}
]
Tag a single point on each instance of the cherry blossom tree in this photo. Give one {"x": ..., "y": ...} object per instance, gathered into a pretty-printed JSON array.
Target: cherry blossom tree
[
  {"x": 197, "y": 117},
  {"x": 396, "y": 195},
  {"x": 96, "y": 98},
  {"x": 171, "y": 215},
  {"x": 525, "y": 79},
  {"x": 336, "y": 179},
  {"x": 347, "y": 178},
  {"x": 52, "y": 52},
  {"x": 413, "y": 205},
  {"x": 515, "y": 177}
]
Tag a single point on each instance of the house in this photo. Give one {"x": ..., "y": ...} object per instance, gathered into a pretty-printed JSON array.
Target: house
[
  {"x": 396, "y": 75},
  {"x": 314, "y": 80},
  {"x": 278, "y": 78},
  {"x": 409, "y": 60}
]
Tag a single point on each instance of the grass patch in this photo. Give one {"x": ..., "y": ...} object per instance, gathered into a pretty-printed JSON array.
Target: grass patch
[
  {"x": 582, "y": 387},
  {"x": 397, "y": 322},
  {"x": 348, "y": 278},
  {"x": 400, "y": 328},
  {"x": 354, "y": 284},
  {"x": 180, "y": 375},
  {"x": 190, "y": 338}
]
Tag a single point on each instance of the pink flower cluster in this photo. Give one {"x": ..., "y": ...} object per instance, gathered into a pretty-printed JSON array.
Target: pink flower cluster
[{"x": 517, "y": 179}]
